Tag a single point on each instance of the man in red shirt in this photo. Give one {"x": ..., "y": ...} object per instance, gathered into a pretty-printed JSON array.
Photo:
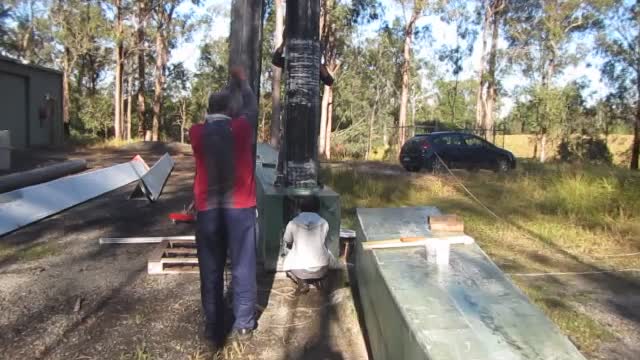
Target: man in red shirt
[{"x": 225, "y": 199}]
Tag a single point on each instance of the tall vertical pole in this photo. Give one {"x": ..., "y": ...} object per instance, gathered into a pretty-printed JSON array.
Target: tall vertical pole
[
  {"x": 245, "y": 45},
  {"x": 245, "y": 39},
  {"x": 302, "y": 109},
  {"x": 276, "y": 77}
]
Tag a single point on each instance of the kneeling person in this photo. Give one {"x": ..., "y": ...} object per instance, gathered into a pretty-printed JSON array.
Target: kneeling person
[{"x": 309, "y": 259}]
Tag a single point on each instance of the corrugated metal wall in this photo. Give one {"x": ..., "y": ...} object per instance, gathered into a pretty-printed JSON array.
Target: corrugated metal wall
[
  {"x": 30, "y": 104},
  {"x": 13, "y": 105}
]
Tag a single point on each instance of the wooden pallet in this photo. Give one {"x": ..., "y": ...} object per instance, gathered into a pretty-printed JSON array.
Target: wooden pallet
[{"x": 174, "y": 257}]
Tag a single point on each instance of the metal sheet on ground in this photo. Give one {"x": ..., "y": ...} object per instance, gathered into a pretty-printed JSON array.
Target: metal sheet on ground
[
  {"x": 24, "y": 206},
  {"x": 152, "y": 183},
  {"x": 468, "y": 310}
]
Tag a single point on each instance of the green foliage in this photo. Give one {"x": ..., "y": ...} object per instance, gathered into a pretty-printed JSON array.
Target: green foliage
[
  {"x": 5, "y": 15},
  {"x": 30, "y": 37},
  {"x": 456, "y": 103},
  {"x": 94, "y": 114},
  {"x": 210, "y": 76},
  {"x": 559, "y": 110},
  {"x": 584, "y": 149},
  {"x": 620, "y": 46}
]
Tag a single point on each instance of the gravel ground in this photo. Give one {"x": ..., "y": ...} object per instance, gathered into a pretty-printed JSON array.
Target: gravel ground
[{"x": 62, "y": 296}]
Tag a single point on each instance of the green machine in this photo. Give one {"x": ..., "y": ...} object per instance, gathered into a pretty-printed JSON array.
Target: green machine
[{"x": 277, "y": 205}]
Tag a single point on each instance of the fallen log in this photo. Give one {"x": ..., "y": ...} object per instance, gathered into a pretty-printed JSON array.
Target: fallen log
[{"x": 40, "y": 175}]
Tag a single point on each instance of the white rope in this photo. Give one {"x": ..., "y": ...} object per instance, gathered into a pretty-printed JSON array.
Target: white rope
[
  {"x": 467, "y": 190},
  {"x": 575, "y": 273},
  {"x": 475, "y": 198},
  {"x": 618, "y": 255}
]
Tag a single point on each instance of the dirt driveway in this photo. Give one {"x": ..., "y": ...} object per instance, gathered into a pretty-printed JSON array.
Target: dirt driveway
[{"x": 63, "y": 296}]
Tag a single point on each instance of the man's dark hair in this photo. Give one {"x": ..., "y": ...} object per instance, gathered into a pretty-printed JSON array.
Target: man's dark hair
[
  {"x": 218, "y": 102},
  {"x": 309, "y": 204}
]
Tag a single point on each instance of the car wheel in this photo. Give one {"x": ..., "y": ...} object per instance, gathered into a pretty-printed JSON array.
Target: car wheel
[
  {"x": 437, "y": 165},
  {"x": 411, "y": 168},
  {"x": 502, "y": 165}
]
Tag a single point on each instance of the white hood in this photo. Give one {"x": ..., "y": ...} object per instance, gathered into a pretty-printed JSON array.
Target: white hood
[
  {"x": 216, "y": 117},
  {"x": 308, "y": 220}
]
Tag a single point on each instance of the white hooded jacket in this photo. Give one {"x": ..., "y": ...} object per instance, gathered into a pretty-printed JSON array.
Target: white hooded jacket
[{"x": 308, "y": 232}]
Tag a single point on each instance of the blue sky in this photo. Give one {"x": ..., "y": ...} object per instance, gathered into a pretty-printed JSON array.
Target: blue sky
[{"x": 442, "y": 33}]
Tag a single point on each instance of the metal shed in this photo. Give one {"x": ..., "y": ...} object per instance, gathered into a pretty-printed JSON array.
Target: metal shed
[{"x": 30, "y": 104}]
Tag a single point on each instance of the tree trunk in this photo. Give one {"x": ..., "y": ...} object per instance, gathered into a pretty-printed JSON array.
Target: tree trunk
[
  {"x": 129, "y": 103},
  {"x": 635, "y": 148},
  {"x": 66, "y": 103},
  {"x": 327, "y": 139},
  {"x": 404, "y": 95},
  {"x": 123, "y": 109},
  {"x": 277, "y": 76},
  {"x": 413, "y": 117},
  {"x": 480, "y": 96},
  {"x": 385, "y": 136},
  {"x": 324, "y": 110},
  {"x": 161, "y": 62},
  {"x": 140, "y": 104},
  {"x": 370, "y": 134},
  {"x": 263, "y": 129},
  {"x": 492, "y": 89},
  {"x": 118, "y": 74},
  {"x": 183, "y": 118},
  {"x": 543, "y": 146}
]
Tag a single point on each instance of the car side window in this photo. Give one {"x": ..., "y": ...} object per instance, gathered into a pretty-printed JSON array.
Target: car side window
[
  {"x": 474, "y": 141},
  {"x": 441, "y": 140},
  {"x": 456, "y": 140}
]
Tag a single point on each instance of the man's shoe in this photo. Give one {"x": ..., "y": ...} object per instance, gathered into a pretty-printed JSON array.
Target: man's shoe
[
  {"x": 212, "y": 335},
  {"x": 303, "y": 288},
  {"x": 243, "y": 334},
  {"x": 209, "y": 331},
  {"x": 320, "y": 284}
]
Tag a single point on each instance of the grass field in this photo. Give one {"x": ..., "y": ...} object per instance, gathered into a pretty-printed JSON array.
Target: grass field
[
  {"x": 523, "y": 146},
  {"x": 551, "y": 218}
]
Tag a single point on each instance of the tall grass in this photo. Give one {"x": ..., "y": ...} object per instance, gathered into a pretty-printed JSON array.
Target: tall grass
[
  {"x": 574, "y": 203},
  {"x": 552, "y": 217}
]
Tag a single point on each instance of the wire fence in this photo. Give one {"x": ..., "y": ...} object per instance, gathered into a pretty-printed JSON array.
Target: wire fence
[{"x": 492, "y": 134}]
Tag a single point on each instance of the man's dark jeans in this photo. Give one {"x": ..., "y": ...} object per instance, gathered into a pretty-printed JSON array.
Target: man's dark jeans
[{"x": 217, "y": 230}]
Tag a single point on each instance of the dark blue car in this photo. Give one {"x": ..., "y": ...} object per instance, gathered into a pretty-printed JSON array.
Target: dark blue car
[{"x": 457, "y": 150}]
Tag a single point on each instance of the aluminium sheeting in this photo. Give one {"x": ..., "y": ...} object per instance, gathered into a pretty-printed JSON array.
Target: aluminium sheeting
[
  {"x": 152, "y": 183},
  {"x": 24, "y": 206}
]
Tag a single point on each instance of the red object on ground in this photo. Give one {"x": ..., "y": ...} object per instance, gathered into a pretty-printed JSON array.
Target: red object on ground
[{"x": 182, "y": 217}]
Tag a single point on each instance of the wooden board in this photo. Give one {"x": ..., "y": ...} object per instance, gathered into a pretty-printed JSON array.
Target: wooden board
[
  {"x": 421, "y": 241},
  {"x": 446, "y": 223}
]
